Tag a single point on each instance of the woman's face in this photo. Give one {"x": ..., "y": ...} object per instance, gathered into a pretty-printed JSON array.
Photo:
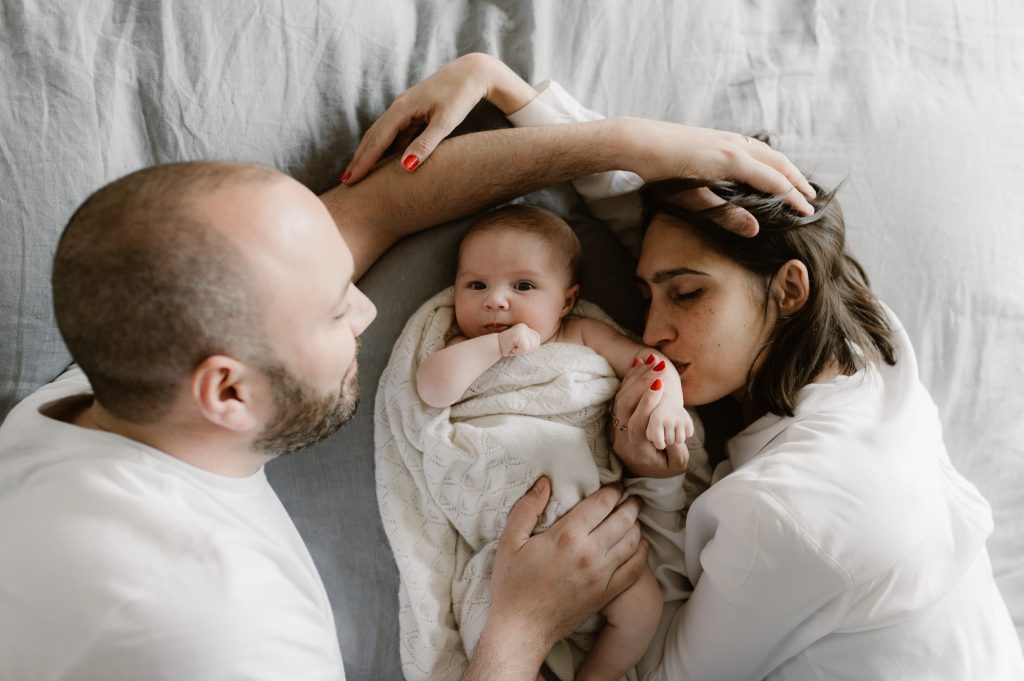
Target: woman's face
[{"x": 707, "y": 313}]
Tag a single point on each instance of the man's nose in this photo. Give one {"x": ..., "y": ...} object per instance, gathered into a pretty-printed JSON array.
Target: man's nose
[{"x": 363, "y": 311}]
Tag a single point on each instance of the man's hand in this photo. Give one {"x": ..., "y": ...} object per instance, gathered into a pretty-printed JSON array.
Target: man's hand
[
  {"x": 592, "y": 554},
  {"x": 517, "y": 340},
  {"x": 659, "y": 151},
  {"x": 442, "y": 101}
]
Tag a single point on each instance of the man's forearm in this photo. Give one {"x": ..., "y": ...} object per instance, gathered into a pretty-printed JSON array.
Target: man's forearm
[
  {"x": 515, "y": 655},
  {"x": 464, "y": 175}
]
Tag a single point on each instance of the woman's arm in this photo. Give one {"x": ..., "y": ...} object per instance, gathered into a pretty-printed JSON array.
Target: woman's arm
[{"x": 442, "y": 102}]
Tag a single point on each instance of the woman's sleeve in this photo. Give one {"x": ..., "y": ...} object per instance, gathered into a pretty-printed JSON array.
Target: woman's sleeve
[
  {"x": 612, "y": 196},
  {"x": 764, "y": 592}
]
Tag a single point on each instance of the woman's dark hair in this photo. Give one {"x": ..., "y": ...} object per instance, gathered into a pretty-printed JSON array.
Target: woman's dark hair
[{"x": 842, "y": 320}]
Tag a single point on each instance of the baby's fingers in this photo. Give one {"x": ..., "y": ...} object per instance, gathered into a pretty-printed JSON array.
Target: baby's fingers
[{"x": 656, "y": 435}]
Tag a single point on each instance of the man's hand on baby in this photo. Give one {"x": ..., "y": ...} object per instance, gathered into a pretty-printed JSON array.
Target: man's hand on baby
[{"x": 518, "y": 340}]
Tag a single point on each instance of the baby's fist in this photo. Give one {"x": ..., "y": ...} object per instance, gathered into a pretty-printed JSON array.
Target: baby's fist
[{"x": 518, "y": 340}]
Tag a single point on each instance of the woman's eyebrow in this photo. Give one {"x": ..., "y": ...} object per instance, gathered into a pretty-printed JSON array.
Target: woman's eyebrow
[{"x": 664, "y": 275}]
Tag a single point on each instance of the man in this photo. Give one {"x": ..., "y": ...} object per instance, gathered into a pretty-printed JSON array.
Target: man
[{"x": 212, "y": 310}]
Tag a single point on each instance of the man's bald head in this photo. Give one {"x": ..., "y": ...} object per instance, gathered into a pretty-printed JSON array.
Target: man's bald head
[{"x": 146, "y": 286}]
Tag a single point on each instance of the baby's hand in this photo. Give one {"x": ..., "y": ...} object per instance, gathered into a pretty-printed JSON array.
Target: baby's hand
[
  {"x": 668, "y": 425},
  {"x": 518, "y": 340}
]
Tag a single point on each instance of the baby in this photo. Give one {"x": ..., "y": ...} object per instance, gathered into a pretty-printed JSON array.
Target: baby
[{"x": 515, "y": 287}]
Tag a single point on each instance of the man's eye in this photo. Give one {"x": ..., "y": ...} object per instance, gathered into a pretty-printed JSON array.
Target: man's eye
[
  {"x": 476, "y": 285},
  {"x": 524, "y": 286}
]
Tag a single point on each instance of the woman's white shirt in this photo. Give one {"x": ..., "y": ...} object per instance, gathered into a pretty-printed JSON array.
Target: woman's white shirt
[{"x": 842, "y": 545}]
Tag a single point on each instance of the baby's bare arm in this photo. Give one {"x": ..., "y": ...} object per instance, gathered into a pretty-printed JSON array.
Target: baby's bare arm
[
  {"x": 619, "y": 350},
  {"x": 444, "y": 376}
]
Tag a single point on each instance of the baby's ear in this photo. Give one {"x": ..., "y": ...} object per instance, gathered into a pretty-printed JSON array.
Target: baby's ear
[{"x": 571, "y": 294}]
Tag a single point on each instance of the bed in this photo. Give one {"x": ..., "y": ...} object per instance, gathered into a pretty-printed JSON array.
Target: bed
[{"x": 914, "y": 107}]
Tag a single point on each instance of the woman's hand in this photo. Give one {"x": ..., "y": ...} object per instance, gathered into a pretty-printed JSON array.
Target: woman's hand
[
  {"x": 631, "y": 412},
  {"x": 589, "y": 556},
  {"x": 442, "y": 101}
]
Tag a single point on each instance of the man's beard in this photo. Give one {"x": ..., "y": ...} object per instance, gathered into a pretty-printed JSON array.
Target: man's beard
[{"x": 303, "y": 417}]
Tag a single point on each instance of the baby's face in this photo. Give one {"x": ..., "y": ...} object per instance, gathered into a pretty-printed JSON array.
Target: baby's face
[{"x": 508, "y": 277}]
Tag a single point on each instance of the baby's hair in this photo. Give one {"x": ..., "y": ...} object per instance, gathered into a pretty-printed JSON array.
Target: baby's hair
[
  {"x": 842, "y": 320},
  {"x": 538, "y": 222}
]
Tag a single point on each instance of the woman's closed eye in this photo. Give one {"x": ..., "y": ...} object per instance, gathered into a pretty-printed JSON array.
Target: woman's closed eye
[{"x": 684, "y": 296}]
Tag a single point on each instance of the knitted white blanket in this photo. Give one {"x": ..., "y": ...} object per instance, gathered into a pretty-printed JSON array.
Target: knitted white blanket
[{"x": 446, "y": 478}]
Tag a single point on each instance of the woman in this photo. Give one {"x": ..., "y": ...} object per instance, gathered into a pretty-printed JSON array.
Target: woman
[{"x": 838, "y": 541}]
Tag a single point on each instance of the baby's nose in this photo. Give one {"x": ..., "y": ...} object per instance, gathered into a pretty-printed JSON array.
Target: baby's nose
[{"x": 497, "y": 300}]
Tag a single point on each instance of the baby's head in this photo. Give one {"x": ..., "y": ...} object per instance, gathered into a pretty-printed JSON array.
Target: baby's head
[{"x": 517, "y": 264}]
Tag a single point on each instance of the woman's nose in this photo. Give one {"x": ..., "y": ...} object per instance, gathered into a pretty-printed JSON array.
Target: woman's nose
[{"x": 657, "y": 328}]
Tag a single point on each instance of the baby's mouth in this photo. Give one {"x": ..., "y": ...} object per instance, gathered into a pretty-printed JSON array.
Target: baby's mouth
[{"x": 495, "y": 328}]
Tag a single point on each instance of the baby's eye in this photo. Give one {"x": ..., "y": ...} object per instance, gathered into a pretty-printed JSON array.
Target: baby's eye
[
  {"x": 476, "y": 285},
  {"x": 524, "y": 286}
]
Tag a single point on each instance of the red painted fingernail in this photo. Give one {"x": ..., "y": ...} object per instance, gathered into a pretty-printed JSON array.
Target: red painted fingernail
[
  {"x": 656, "y": 385},
  {"x": 659, "y": 366},
  {"x": 650, "y": 358},
  {"x": 346, "y": 176},
  {"x": 410, "y": 162},
  {"x": 636, "y": 361}
]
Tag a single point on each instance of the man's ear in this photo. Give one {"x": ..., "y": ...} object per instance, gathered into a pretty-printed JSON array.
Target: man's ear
[
  {"x": 571, "y": 294},
  {"x": 791, "y": 287},
  {"x": 223, "y": 390}
]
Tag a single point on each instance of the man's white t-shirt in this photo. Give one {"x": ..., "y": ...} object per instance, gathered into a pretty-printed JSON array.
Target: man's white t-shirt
[{"x": 118, "y": 561}]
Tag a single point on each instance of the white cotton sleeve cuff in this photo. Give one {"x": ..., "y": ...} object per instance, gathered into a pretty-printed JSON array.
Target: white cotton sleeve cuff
[{"x": 612, "y": 196}]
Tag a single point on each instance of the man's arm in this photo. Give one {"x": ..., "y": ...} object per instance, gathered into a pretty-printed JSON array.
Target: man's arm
[
  {"x": 465, "y": 175},
  {"x": 469, "y": 173}
]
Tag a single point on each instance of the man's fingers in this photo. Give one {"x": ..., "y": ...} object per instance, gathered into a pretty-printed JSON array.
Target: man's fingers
[
  {"x": 625, "y": 547},
  {"x": 522, "y": 519},
  {"x": 590, "y": 513},
  {"x": 616, "y": 525},
  {"x": 782, "y": 163},
  {"x": 761, "y": 175},
  {"x": 627, "y": 573}
]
